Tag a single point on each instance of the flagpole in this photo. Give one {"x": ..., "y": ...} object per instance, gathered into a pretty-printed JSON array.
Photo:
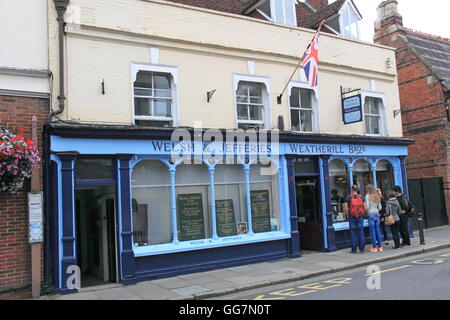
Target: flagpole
[{"x": 298, "y": 65}]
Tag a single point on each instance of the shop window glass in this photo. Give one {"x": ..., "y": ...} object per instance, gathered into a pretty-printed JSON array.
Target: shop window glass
[
  {"x": 305, "y": 165},
  {"x": 230, "y": 194},
  {"x": 151, "y": 208},
  {"x": 193, "y": 202},
  {"x": 264, "y": 199},
  {"x": 362, "y": 175},
  {"x": 93, "y": 169},
  {"x": 339, "y": 186},
  {"x": 385, "y": 176}
]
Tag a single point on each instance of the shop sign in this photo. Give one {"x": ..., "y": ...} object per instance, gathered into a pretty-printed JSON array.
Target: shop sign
[
  {"x": 352, "y": 109},
  {"x": 190, "y": 210},
  {"x": 260, "y": 205},
  {"x": 35, "y": 229},
  {"x": 226, "y": 221}
]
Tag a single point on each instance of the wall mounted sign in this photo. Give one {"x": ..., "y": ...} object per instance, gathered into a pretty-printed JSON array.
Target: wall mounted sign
[
  {"x": 352, "y": 109},
  {"x": 35, "y": 230},
  {"x": 226, "y": 221},
  {"x": 260, "y": 204},
  {"x": 190, "y": 210}
]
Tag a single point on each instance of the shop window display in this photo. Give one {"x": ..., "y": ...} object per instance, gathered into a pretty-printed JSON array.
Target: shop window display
[
  {"x": 339, "y": 186},
  {"x": 385, "y": 176},
  {"x": 150, "y": 183},
  {"x": 362, "y": 175}
]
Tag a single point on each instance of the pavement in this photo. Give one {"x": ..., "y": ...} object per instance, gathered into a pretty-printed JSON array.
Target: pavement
[{"x": 221, "y": 282}]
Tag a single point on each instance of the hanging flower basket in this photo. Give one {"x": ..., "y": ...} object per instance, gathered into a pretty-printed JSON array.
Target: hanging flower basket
[{"x": 19, "y": 157}]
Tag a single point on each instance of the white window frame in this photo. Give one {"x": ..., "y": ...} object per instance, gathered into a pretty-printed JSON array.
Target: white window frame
[
  {"x": 383, "y": 112},
  {"x": 314, "y": 104},
  {"x": 267, "y": 106},
  {"x": 173, "y": 72},
  {"x": 352, "y": 10}
]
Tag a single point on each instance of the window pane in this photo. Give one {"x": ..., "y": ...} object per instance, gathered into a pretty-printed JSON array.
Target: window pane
[
  {"x": 340, "y": 188},
  {"x": 362, "y": 175},
  {"x": 306, "y": 164},
  {"x": 161, "y": 108},
  {"x": 279, "y": 11},
  {"x": 385, "y": 177},
  {"x": 295, "y": 120},
  {"x": 256, "y": 112},
  {"x": 192, "y": 188},
  {"x": 306, "y": 99},
  {"x": 231, "y": 212},
  {"x": 257, "y": 100},
  {"x": 142, "y": 107},
  {"x": 143, "y": 92},
  {"x": 368, "y": 131},
  {"x": 242, "y": 89},
  {"x": 243, "y": 99},
  {"x": 290, "y": 9},
  {"x": 264, "y": 199},
  {"x": 143, "y": 79},
  {"x": 374, "y": 106},
  {"x": 294, "y": 100},
  {"x": 152, "y": 223},
  {"x": 242, "y": 112},
  {"x": 306, "y": 119},
  {"x": 87, "y": 169},
  {"x": 163, "y": 93},
  {"x": 153, "y": 123},
  {"x": 162, "y": 81},
  {"x": 367, "y": 106},
  {"x": 375, "y": 125},
  {"x": 255, "y": 89}
]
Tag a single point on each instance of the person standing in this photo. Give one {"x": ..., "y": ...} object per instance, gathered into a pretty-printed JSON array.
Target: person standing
[
  {"x": 382, "y": 214},
  {"x": 404, "y": 218},
  {"x": 354, "y": 209},
  {"x": 373, "y": 204},
  {"x": 393, "y": 208}
]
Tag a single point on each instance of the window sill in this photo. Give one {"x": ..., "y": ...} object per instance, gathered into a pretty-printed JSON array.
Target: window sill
[{"x": 209, "y": 243}]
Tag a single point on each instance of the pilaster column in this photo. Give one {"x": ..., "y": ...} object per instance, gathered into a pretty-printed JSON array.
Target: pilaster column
[
  {"x": 331, "y": 237},
  {"x": 294, "y": 243}
]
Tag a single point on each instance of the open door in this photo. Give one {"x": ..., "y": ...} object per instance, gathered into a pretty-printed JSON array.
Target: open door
[
  {"x": 96, "y": 235},
  {"x": 308, "y": 206}
]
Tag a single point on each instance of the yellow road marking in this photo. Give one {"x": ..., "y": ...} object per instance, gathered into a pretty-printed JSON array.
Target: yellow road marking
[
  {"x": 290, "y": 292},
  {"x": 261, "y": 297},
  {"x": 388, "y": 270},
  {"x": 445, "y": 255},
  {"x": 428, "y": 261},
  {"x": 318, "y": 286}
]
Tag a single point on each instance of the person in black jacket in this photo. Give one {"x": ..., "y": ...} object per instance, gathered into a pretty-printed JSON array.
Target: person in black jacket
[
  {"x": 382, "y": 213},
  {"x": 404, "y": 218}
]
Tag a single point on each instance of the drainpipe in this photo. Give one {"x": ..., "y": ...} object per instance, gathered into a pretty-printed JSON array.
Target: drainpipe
[{"x": 61, "y": 7}]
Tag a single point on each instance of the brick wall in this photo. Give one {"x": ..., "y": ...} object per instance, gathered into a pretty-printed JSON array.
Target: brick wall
[
  {"x": 424, "y": 115},
  {"x": 15, "y": 256}
]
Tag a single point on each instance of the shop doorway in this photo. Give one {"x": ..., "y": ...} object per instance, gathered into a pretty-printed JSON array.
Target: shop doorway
[
  {"x": 96, "y": 234},
  {"x": 309, "y": 217}
]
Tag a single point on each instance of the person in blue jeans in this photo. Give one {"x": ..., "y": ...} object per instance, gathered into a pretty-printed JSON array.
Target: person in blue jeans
[
  {"x": 373, "y": 205},
  {"x": 354, "y": 209}
]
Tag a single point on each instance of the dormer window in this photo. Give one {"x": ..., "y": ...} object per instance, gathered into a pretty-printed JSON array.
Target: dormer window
[
  {"x": 279, "y": 11},
  {"x": 346, "y": 21}
]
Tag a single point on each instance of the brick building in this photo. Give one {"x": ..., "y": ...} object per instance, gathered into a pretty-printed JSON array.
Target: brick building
[
  {"x": 423, "y": 64},
  {"x": 24, "y": 93}
]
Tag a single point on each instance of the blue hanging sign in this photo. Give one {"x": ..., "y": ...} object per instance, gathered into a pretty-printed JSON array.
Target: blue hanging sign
[{"x": 352, "y": 109}]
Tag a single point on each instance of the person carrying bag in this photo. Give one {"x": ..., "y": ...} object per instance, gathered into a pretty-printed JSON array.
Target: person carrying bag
[{"x": 392, "y": 217}]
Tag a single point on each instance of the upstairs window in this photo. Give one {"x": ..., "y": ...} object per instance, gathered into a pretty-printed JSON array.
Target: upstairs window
[
  {"x": 373, "y": 116},
  {"x": 279, "y": 11},
  {"x": 250, "y": 105},
  {"x": 154, "y": 95},
  {"x": 346, "y": 22},
  {"x": 303, "y": 109}
]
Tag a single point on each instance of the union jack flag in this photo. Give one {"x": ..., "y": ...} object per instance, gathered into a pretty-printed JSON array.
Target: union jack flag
[{"x": 311, "y": 60}]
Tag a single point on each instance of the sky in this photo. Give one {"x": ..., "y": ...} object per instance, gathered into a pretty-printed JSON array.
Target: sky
[{"x": 429, "y": 16}]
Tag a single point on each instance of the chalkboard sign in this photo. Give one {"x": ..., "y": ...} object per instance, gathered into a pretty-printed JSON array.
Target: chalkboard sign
[
  {"x": 260, "y": 211},
  {"x": 190, "y": 212},
  {"x": 226, "y": 222}
]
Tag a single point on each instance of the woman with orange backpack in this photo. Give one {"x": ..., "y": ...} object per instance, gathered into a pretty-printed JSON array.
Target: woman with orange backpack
[{"x": 373, "y": 204}]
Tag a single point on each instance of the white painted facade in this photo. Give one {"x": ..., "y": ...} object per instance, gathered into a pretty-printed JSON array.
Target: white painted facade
[
  {"x": 24, "y": 48},
  {"x": 105, "y": 40}
]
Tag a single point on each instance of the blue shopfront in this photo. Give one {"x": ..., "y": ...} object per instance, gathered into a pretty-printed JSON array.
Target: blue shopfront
[{"x": 124, "y": 209}]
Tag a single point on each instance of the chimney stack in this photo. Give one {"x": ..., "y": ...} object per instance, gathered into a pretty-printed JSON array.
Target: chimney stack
[{"x": 388, "y": 21}]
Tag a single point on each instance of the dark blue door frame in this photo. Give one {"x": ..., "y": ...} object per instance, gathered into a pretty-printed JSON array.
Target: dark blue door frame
[
  {"x": 331, "y": 236},
  {"x": 294, "y": 243}
]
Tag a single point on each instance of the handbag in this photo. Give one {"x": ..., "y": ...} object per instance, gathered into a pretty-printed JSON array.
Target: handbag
[{"x": 389, "y": 219}]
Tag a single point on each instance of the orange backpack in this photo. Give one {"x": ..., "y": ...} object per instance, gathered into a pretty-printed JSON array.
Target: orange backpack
[{"x": 356, "y": 206}]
